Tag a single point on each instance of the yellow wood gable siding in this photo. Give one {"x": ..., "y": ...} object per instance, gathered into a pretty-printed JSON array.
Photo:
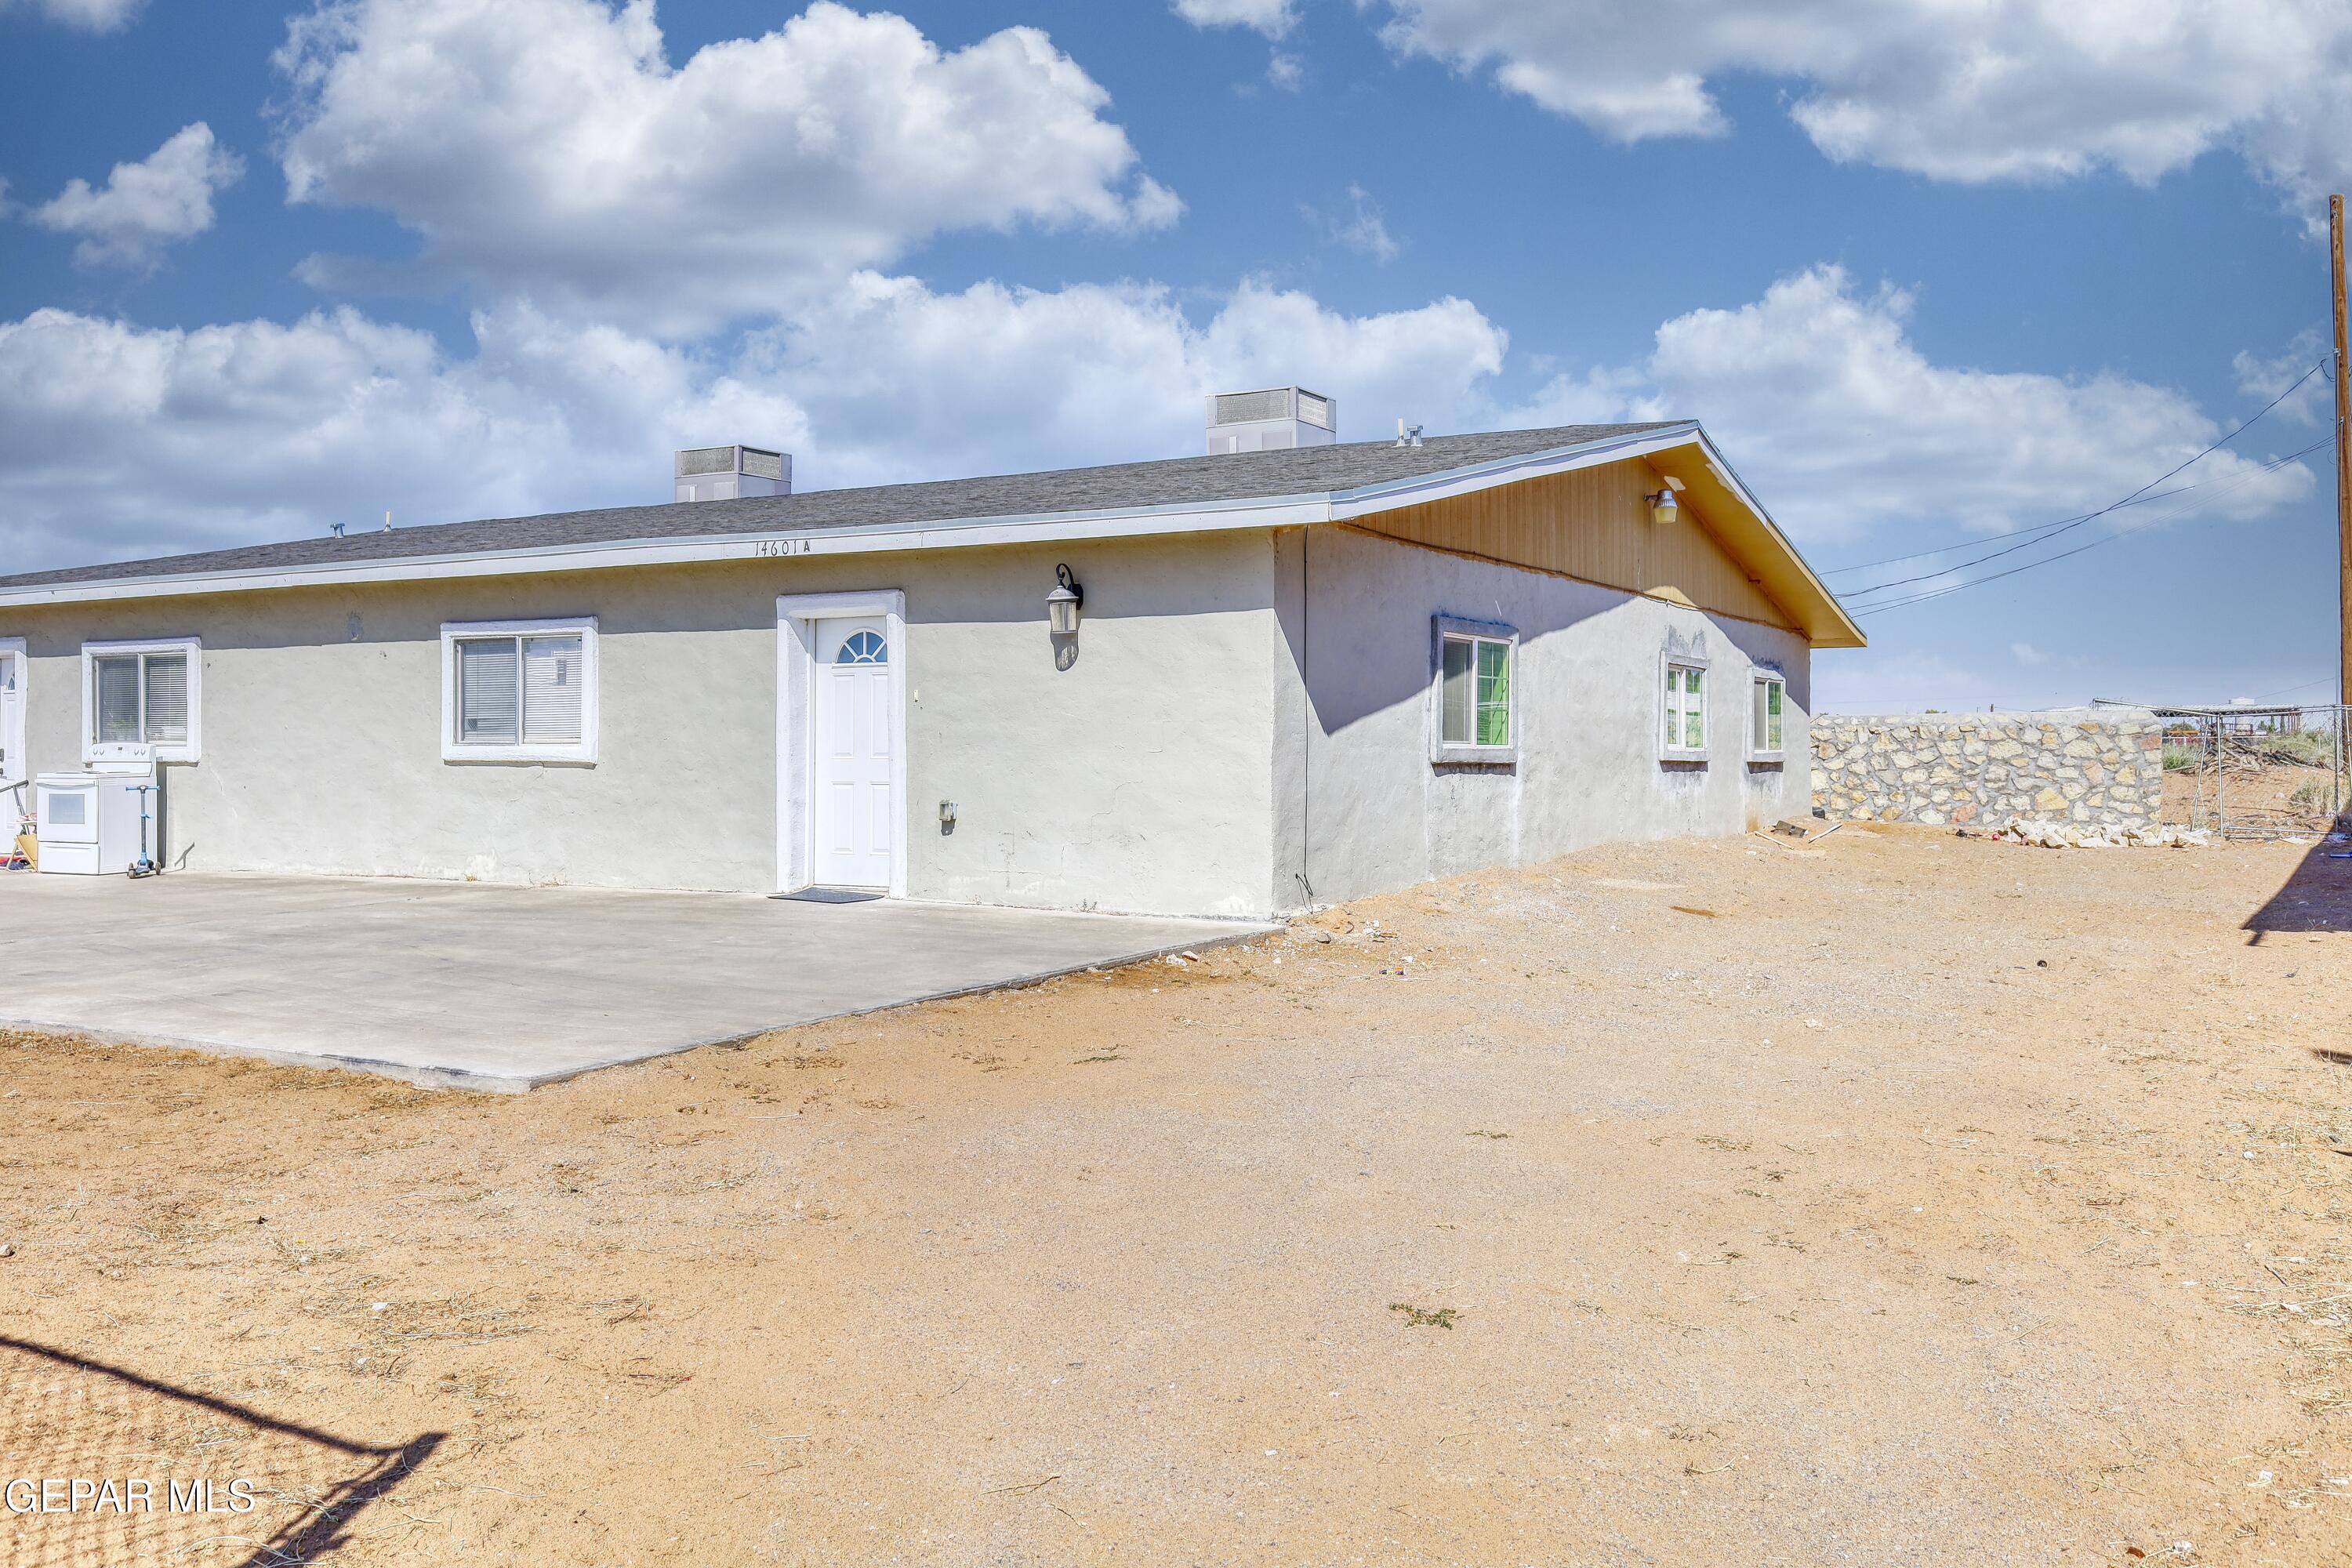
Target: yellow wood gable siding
[{"x": 1591, "y": 524}]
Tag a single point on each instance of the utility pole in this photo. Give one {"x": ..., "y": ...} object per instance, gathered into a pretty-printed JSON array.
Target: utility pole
[{"x": 2343, "y": 458}]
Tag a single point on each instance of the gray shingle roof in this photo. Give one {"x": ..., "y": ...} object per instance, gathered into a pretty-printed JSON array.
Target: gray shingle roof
[{"x": 1240, "y": 476}]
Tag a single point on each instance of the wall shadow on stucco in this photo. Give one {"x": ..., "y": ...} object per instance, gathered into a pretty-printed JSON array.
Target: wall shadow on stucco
[
  {"x": 2317, "y": 897},
  {"x": 1348, "y": 680}
]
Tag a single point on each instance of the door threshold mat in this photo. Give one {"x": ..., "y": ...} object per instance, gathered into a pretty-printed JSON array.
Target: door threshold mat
[{"x": 831, "y": 896}]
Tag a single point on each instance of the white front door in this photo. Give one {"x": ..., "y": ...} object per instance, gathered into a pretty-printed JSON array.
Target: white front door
[{"x": 854, "y": 815}]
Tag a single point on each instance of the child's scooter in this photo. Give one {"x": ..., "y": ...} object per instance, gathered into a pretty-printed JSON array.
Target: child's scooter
[{"x": 146, "y": 865}]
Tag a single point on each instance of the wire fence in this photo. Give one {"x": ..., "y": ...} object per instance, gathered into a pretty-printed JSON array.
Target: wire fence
[
  {"x": 2247, "y": 771},
  {"x": 103, "y": 1468}
]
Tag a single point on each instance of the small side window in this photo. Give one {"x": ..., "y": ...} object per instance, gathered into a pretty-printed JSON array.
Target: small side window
[
  {"x": 1477, "y": 715},
  {"x": 1686, "y": 710},
  {"x": 1764, "y": 715}
]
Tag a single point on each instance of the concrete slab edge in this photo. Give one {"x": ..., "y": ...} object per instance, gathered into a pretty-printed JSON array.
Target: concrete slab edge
[
  {"x": 493, "y": 1083},
  {"x": 1016, "y": 983}
]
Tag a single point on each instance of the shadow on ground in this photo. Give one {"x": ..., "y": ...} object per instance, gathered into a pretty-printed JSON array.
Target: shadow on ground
[
  {"x": 66, "y": 1418},
  {"x": 2316, "y": 898}
]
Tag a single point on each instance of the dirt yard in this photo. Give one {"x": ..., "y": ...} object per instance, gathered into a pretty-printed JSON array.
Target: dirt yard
[
  {"x": 1903, "y": 1200},
  {"x": 2280, "y": 798}
]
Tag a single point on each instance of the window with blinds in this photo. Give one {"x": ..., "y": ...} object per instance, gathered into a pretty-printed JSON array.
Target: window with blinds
[
  {"x": 143, "y": 694},
  {"x": 521, "y": 692}
]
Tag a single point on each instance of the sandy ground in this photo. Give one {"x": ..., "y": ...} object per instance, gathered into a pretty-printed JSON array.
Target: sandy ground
[{"x": 1903, "y": 1200}]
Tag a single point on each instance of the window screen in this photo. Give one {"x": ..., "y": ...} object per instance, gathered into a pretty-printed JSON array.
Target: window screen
[
  {"x": 1765, "y": 719},
  {"x": 553, "y": 680},
  {"x": 166, "y": 693},
  {"x": 1494, "y": 694}
]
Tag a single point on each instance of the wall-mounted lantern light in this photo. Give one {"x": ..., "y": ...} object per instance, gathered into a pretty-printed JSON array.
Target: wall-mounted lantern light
[
  {"x": 1663, "y": 508},
  {"x": 1062, "y": 605}
]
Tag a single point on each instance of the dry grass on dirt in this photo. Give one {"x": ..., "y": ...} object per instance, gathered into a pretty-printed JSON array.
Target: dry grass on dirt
[{"x": 1903, "y": 1200}]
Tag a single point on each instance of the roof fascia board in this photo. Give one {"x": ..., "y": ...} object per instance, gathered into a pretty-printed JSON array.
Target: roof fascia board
[{"x": 1730, "y": 479}]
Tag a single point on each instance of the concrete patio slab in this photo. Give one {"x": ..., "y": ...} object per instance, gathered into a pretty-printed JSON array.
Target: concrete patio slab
[{"x": 501, "y": 988}]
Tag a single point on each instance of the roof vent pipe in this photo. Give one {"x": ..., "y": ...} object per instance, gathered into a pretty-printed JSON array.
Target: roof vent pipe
[{"x": 1408, "y": 435}]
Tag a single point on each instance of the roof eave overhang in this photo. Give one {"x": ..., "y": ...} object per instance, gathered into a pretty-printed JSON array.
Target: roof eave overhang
[{"x": 1271, "y": 511}]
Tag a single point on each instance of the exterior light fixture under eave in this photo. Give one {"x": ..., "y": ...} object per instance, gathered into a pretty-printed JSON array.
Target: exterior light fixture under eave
[
  {"x": 1062, "y": 605},
  {"x": 1663, "y": 505}
]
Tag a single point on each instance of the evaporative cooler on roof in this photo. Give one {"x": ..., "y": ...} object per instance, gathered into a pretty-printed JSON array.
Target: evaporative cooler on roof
[
  {"x": 1271, "y": 419},
  {"x": 725, "y": 473}
]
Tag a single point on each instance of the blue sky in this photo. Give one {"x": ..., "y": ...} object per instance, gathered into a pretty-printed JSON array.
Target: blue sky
[{"x": 452, "y": 260}]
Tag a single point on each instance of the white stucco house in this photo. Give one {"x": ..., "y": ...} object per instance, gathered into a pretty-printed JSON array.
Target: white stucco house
[{"x": 1286, "y": 672}]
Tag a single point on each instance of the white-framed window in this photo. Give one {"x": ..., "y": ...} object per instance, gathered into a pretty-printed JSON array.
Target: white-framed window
[
  {"x": 12, "y": 674},
  {"x": 1476, "y": 706},
  {"x": 1685, "y": 708},
  {"x": 519, "y": 692},
  {"x": 148, "y": 691},
  {"x": 1767, "y": 695}
]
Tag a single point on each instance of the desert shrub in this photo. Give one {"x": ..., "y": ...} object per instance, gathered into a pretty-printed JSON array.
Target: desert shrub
[{"x": 2314, "y": 797}]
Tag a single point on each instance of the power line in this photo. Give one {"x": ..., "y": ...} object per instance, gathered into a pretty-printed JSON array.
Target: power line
[
  {"x": 1986, "y": 539},
  {"x": 2047, "y": 531},
  {"x": 1922, "y": 599},
  {"x": 2229, "y": 485},
  {"x": 2140, "y": 495}
]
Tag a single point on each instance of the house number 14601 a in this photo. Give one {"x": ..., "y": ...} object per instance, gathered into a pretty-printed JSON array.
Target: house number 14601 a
[{"x": 779, "y": 547}]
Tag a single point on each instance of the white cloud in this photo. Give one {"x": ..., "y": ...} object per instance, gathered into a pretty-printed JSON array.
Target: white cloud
[
  {"x": 2306, "y": 398},
  {"x": 90, "y": 15},
  {"x": 1275, "y": 18},
  {"x": 1997, "y": 90},
  {"x": 117, "y": 441},
  {"x": 548, "y": 149},
  {"x": 145, "y": 206},
  {"x": 2025, "y": 653},
  {"x": 1359, "y": 224},
  {"x": 1843, "y": 426}
]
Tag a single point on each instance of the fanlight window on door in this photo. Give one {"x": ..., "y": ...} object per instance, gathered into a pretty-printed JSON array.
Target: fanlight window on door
[{"x": 864, "y": 647}]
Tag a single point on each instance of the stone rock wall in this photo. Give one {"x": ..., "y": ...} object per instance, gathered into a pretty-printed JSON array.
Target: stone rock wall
[{"x": 2100, "y": 766}]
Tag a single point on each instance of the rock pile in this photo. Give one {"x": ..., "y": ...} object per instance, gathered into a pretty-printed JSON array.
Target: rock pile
[{"x": 2076, "y": 836}]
